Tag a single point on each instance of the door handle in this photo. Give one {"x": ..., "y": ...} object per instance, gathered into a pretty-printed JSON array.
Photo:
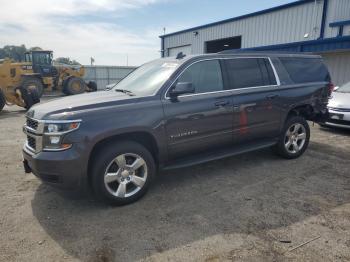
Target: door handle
[
  {"x": 222, "y": 103},
  {"x": 273, "y": 96}
]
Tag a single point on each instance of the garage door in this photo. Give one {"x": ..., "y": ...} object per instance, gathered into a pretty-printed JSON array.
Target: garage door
[{"x": 186, "y": 49}]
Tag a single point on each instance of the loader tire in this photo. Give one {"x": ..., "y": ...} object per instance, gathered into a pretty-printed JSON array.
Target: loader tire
[
  {"x": 74, "y": 86},
  {"x": 30, "y": 97},
  {"x": 2, "y": 100},
  {"x": 92, "y": 86},
  {"x": 30, "y": 83}
]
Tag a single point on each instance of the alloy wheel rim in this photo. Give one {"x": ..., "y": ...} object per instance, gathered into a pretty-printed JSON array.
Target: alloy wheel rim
[
  {"x": 125, "y": 175},
  {"x": 295, "y": 138}
]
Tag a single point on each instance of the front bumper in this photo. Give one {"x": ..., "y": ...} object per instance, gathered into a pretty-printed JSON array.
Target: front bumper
[
  {"x": 338, "y": 118},
  {"x": 64, "y": 169}
]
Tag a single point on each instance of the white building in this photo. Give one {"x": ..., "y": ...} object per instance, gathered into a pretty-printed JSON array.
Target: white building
[{"x": 318, "y": 26}]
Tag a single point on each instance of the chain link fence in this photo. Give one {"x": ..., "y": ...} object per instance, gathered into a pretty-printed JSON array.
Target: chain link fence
[{"x": 105, "y": 75}]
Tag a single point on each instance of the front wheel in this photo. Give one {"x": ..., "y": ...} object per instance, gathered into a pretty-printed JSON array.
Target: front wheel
[
  {"x": 294, "y": 139},
  {"x": 30, "y": 96},
  {"x": 33, "y": 83},
  {"x": 122, "y": 172}
]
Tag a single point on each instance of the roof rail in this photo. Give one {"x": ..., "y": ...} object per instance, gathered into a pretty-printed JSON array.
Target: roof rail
[{"x": 252, "y": 51}]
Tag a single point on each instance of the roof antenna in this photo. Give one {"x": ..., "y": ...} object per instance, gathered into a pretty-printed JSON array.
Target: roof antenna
[{"x": 180, "y": 55}]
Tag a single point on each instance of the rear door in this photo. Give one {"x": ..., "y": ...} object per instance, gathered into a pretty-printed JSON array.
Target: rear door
[
  {"x": 201, "y": 121},
  {"x": 256, "y": 108}
]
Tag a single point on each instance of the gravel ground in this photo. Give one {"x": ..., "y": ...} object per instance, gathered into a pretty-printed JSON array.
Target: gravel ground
[{"x": 253, "y": 207}]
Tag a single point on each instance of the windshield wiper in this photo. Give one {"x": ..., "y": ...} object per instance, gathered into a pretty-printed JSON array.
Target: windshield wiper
[{"x": 125, "y": 92}]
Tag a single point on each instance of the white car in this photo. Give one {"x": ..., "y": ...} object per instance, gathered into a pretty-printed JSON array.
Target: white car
[{"x": 339, "y": 107}]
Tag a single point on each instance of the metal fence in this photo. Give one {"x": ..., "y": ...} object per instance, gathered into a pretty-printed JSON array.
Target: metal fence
[{"x": 105, "y": 75}]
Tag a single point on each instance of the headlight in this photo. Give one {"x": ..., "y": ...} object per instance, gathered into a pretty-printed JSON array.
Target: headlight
[
  {"x": 61, "y": 127},
  {"x": 54, "y": 133}
]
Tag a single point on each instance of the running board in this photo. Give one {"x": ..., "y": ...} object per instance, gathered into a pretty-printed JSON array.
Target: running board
[{"x": 218, "y": 154}]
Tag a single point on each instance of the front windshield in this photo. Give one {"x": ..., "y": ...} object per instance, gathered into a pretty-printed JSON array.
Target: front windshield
[
  {"x": 148, "y": 78},
  {"x": 344, "y": 88},
  {"x": 42, "y": 58}
]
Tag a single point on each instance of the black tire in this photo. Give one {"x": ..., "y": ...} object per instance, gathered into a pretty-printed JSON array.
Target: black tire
[
  {"x": 281, "y": 147},
  {"x": 2, "y": 100},
  {"x": 92, "y": 86},
  {"x": 103, "y": 162},
  {"x": 30, "y": 97},
  {"x": 74, "y": 86},
  {"x": 29, "y": 83}
]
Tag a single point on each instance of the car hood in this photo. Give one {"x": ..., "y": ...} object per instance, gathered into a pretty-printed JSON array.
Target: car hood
[
  {"x": 340, "y": 100},
  {"x": 69, "y": 107}
]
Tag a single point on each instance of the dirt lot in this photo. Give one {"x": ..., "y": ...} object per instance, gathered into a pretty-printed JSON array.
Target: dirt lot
[{"x": 254, "y": 207}]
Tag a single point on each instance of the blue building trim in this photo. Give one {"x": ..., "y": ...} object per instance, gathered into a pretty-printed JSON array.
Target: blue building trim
[
  {"x": 318, "y": 46},
  {"x": 269, "y": 10},
  {"x": 162, "y": 51},
  {"x": 339, "y": 23},
  {"x": 324, "y": 17},
  {"x": 341, "y": 30}
]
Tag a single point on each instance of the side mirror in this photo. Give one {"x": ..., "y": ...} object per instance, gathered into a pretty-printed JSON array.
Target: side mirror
[{"x": 182, "y": 88}]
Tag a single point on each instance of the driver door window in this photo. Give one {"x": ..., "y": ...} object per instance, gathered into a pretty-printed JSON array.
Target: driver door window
[{"x": 205, "y": 76}]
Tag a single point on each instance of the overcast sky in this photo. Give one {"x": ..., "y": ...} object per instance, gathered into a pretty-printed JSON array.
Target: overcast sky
[{"x": 110, "y": 30}]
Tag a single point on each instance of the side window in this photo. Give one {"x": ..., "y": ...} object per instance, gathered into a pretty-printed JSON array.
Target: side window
[
  {"x": 250, "y": 72},
  {"x": 303, "y": 70},
  {"x": 205, "y": 76}
]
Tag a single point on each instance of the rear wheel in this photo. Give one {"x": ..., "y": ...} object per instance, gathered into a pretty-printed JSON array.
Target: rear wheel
[
  {"x": 30, "y": 83},
  {"x": 74, "y": 86},
  {"x": 122, "y": 172},
  {"x": 294, "y": 139},
  {"x": 2, "y": 100}
]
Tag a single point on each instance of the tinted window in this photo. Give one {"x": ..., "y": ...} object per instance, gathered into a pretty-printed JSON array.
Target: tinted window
[
  {"x": 205, "y": 76},
  {"x": 250, "y": 72},
  {"x": 303, "y": 70}
]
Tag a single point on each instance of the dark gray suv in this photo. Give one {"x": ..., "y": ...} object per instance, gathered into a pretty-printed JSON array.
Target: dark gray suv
[{"x": 172, "y": 113}]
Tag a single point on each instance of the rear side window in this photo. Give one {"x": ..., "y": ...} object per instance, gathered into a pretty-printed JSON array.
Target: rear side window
[
  {"x": 249, "y": 72},
  {"x": 304, "y": 70},
  {"x": 205, "y": 76}
]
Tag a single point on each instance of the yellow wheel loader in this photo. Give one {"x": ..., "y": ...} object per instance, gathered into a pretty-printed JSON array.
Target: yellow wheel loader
[
  {"x": 23, "y": 83},
  {"x": 18, "y": 84}
]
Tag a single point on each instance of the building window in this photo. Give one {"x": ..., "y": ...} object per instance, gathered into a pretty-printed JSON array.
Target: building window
[{"x": 216, "y": 46}]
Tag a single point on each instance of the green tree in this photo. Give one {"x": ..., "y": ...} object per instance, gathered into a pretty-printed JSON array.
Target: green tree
[
  {"x": 66, "y": 60},
  {"x": 14, "y": 52}
]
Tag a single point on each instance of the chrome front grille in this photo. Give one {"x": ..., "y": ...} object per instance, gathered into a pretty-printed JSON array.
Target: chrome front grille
[
  {"x": 33, "y": 129},
  {"x": 31, "y": 143},
  {"x": 31, "y": 123}
]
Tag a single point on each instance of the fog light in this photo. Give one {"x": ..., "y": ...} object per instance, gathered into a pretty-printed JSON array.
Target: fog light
[{"x": 54, "y": 140}]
